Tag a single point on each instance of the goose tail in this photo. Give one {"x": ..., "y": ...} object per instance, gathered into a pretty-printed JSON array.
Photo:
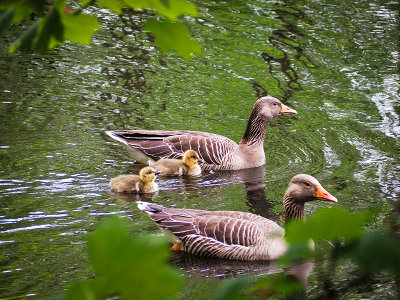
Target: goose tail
[{"x": 149, "y": 208}]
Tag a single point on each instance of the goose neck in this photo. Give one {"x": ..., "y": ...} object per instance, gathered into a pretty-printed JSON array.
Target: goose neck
[
  {"x": 255, "y": 131},
  {"x": 293, "y": 210}
]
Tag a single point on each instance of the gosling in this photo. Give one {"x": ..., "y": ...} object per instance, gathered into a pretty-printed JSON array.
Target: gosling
[
  {"x": 144, "y": 183},
  {"x": 188, "y": 165}
]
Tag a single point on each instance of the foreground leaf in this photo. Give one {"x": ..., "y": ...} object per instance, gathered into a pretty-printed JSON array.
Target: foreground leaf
[
  {"x": 79, "y": 28},
  {"x": 6, "y": 19},
  {"x": 170, "y": 9},
  {"x": 129, "y": 268},
  {"x": 377, "y": 252},
  {"x": 231, "y": 289},
  {"x": 330, "y": 223},
  {"x": 175, "y": 36}
]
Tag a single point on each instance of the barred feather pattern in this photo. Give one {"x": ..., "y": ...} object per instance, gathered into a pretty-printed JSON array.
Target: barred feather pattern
[
  {"x": 223, "y": 234},
  {"x": 215, "y": 150},
  {"x": 293, "y": 210},
  {"x": 256, "y": 127}
]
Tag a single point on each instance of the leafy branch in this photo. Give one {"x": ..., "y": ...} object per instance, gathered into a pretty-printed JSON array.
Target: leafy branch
[{"x": 56, "y": 22}]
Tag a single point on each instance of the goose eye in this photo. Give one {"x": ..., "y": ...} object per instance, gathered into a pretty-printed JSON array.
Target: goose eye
[{"x": 307, "y": 184}]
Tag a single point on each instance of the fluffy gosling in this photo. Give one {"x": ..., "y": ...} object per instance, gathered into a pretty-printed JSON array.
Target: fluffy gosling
[
  {"x": 188, "y": 165},
  {"x": 142, "y": 183}
]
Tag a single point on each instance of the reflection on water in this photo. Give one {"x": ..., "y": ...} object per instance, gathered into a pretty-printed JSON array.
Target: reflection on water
[
  {"x": 195, "y": 266},
  {"x": 325, "y": 59}
]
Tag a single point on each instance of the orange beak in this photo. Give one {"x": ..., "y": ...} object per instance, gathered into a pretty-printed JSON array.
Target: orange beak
[
  {"x": 287, "y": 110},
  {"x": 323, "y": 194}
]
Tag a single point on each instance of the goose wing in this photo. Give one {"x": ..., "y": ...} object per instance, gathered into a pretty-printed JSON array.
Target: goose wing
[
  {"x": 172, "y": 144},
  {"x": 227, "y": 227}
]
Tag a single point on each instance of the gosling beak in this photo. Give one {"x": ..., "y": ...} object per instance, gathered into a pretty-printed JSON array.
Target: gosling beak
[
  {"x": 324, "y": 195},
  {"x": 287, "y": 110},
  {"x": 200, "y": 161},
  {"x": 157, "y": 172}
]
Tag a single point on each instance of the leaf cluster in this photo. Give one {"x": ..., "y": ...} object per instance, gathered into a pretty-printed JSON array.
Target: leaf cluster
[
  {"x": 130, "y": 268},
  {"x": 55, "y": 23}
]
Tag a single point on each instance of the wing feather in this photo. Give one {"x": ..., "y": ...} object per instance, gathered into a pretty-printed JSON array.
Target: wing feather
[{"x": 172, "y": 144}]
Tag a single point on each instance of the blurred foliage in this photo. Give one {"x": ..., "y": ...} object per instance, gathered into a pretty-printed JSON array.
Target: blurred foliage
[
  {"x": 138, "y": 267},
  {"x": 129, "y": 268},
  {"x": 54, "y": 22}
]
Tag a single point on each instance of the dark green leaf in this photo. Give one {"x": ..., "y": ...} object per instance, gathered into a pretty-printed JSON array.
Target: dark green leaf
[
  {"x": 50, "y": 32},
  {"x": 378, "y": 252},
  {"x": 175, "y": 36},
  {"x": 132, "y": 267},
  {"x": 230, "y": 289},
  {"x": 25, "y": 41},
  {"x": 84, "y": 2},
  {"x": 115, "y": 5},
  {"x": 6, "y": 19},
  {"x": 91, "y": 289},
  {"x": 330, "y": 223},
  {"x": 170, "y": 9},
  {"x": 297, "y": 252},
  {"x": 280, "y": 286}
]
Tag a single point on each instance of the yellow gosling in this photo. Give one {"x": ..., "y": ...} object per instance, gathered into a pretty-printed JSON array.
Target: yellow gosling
[
  {"x": 188, "y": 165},
  {"x": 142, "y": 183}
]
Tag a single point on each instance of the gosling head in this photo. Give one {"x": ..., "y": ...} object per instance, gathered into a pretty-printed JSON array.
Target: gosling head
[
  {"x": 191, "y": 158},
  {"x": 303, "y": 188},
  {"x": 269, "y": 107},
  {"x": 148, "y": 174}
]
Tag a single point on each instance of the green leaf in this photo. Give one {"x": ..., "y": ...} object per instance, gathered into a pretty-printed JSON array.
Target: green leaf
[
  {"x": 378, "y": 252},
  {"x": 297, "y": 252},
  {"x": 330, "y": 223},
  {"x": 79, "y": 28},
  {"x": 114, "y": 5},
  {"x": 230, "y": 289},
  {"x": 91, "y": 289},
  {"x": 282, "y": 286},
  {"x": 25, "y": 41},
  {"x": 6, "y": 19},
  {"x": 130, "y": 267},
  {"x": 175, "y": 36},
  {"x": 84, "y": 2},
  {"x": 50, "y": 32},
  {"x": 170, "y": 9}
]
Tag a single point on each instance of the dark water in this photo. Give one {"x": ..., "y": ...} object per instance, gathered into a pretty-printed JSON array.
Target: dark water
[{"x": 336, "y": 63}]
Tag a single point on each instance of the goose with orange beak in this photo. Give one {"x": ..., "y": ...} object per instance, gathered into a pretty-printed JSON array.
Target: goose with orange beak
[{"x": 216, "y": 151}]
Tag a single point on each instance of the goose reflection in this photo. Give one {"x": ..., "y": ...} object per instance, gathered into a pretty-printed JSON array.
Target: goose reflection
[{"x": 199, "y": 267}]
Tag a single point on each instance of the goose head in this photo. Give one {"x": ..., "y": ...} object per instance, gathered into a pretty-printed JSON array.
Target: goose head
[
  {"x": 303, "y": 188},
  {"x": 269, "y": 107},
  {"x": 191, "y": 158},
  {"x": 148, "y": 174}
]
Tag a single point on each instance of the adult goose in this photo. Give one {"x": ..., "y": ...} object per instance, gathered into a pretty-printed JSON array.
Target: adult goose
[
  {"x": 130, "y": 183},
  {"x": 188, "y": 165},
  {"x": 233, "y": 234},
  {"x": 217, "y": 152}
]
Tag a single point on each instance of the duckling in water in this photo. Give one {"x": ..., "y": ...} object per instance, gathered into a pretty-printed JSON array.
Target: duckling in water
[
  {"x": 188, "y": 165},
  {"x": 144, "y": 183}
]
